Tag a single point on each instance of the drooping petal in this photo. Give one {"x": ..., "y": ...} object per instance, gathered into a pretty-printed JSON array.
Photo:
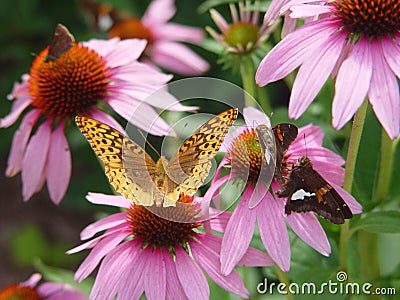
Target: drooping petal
[
  {"x": 177, "y": 32},
  {"x": 103, "y": 224},
  {"x": 34, "y": 161},
  {"x": 103, "y": 247},
  {"x": 238, "y": 233},
  {"x": 391, "y": 50},
  {"x": 19, "y": 105},
  {"x": 106, "y": 119},
  {"x": 113, "y": 200},
  {"x": 273, "y": 232},
  {"x": 19, "y": 142},
  {"x": 354, "y": 206},
  {"x": 274, "y": 8},
  {"x": 154, "y": 276},
  {"x": 208, "y": 259},
  {"x": 191, "y": 277},
  {"x": 219, "y": 219},
  {"x": 128, "y": 50},
  {"x": 59, "y": 291},
  {"x": 254, "y": 117},
  {"x": 174, "y": 288},
  {"x": 158, "y": 12},
  {"x": 255, "y": 258},
  {"x": 294, "y": 49},
  {"x": 308, "y": 82},
  {"x": 59, "y": 165},
  {"x": 352, "y": 83},
  {"x": 219, "y": 20},
  {"x": 309, "y": 10},
  {"x": 186, "y": 63},
  {"x": 384, "y": 92},
  {"x": 308, "y": 228},
  {"x": 289, "y": 25}
]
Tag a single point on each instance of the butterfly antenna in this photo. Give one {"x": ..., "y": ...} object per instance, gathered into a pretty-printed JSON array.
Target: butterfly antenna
[{"x": 148, "y": 143}]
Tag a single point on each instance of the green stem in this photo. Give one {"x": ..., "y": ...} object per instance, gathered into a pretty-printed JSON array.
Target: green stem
[
  {"x": 284, "y": 279},
  {"x": 264, "y": 100},
  {"x": 385, "y": 167},
  {"x": 249, "y": 84},
  {"x": 354, "y": 143}
]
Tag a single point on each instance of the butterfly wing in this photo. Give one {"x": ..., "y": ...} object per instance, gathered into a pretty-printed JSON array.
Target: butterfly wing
[
  {"x": 284, "y": 134},
  {"x": 268, "y": 147},
  {"x": 190, "y": 165},
  {"x": 62, "y": 41},
  {"x": 306, "y": 190},
  {"x": 128, "y": 167}
]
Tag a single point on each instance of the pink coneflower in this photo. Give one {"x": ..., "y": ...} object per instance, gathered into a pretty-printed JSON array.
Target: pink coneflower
[
  {"x": 84, "y": 79},
  {"x": 164, "y": 47},
  {"x": 258, "y": 204},
  {"x": 142, "y": 252},
  {"x": 29, "y": 290},
  {"x": 355, "y": 40},
  {"x": 244, "y": 34}
]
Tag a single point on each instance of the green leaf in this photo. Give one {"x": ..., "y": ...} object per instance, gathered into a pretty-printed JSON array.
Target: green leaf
[{"x": 380, "y": 222}]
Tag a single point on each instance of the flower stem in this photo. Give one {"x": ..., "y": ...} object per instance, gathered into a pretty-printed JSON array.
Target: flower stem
[
  {"x": 385, "y": 167},
  {"x": 284, "y": 279},
  {"x": 354, "y": 143},
  {"x": 248, "y": 81}
]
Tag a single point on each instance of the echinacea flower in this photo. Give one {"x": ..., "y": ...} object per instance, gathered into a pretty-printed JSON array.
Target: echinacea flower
[
  {"x": 84, "y": 79},
  {"x": 164, "y": 38},
  {"x": 358, "y": 42},
  {"x": 143, "y": 252},
  {"x": 30, "y": 290},
  {"x": 244, "y": 34},
  {"x": 258, "y": 204}
]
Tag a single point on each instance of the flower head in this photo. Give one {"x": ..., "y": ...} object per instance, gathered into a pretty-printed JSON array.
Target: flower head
[
  {"x": 258, "y": 204},
  {"x": 143, "y": 252},
  {"x": 163, "y": 37},
  {"x": 29, "y": 290},
  {"x": 81, "y": 80},
  {"x": 356, "y": 41}
]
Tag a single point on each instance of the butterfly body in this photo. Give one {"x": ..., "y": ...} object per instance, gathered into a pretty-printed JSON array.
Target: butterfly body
[
  {"x": 306, "y": 190},
  {"x": 135, "y": 175}
]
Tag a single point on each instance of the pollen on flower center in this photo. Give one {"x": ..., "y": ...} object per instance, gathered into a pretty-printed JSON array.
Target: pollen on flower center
[
  {"x": 20, "y": 292},
  {"x": 246, "y": 156},
  {"x": 69, "y": 85},
  {"x": 370, "y": 18},
  {"x": 241, "y": 35},
  {"x": 151, "y": 228},
  {"x": 131, "y": 29}
]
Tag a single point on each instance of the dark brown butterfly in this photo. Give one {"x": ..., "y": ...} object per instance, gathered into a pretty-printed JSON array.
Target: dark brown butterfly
[
  {"x": 62, "y": 41},
  {"x": 284, "y": 134},
  {"x": 306, "y": 190}
]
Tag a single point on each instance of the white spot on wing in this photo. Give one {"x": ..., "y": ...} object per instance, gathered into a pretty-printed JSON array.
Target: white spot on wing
[{"x": 300, "y": 194}]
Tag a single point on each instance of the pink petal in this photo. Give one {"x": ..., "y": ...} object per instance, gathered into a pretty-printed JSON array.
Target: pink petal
[
  {"x": 289, "y": 25},
  {"x": 309, "y": 81},
  {"x": 174, "y": 288},
  {"x": 215, "y": 186},
  {"x": 219, "y": 220},
  {"x": 273, "y": 232},
  {"x": 58, "y": 166},
  {"x": 103, "y": 224},
  {"x": 319, "y": 154},
  {"x": 254, "y": 117},
  {"x": 177, "y": 32},
  {"x": 307, "y": 227},
  {"x": 352, "y": 83},
  {"x": 332, "y": 173},
  {"x": 106, "y": 119},
  {"x": 154, "y": 276},
  {"x": 255, "y": 258},
  {"x": 272, "y": 13},
  {"x": 112, "y": 200},
  {"x": 178, "y": 58},
  {"x": 17, "y": 108},
  {"x": 391, "y": 50},
  {"x": 208, "y": 259},
  {"x": 19, "y": 142},
  {"x": 33, "y": 280},
  {"x": 238, "y": 233},
  {"x": 34, "y": 161},
  {"x": 384, "y": 92},
  {"x": 138, "y": 74},
  {"x": 133, "y": 289},
  {"x": 102, "y": 47},
  {"x": 158, "y": 12},
  {"x": 104, "y": 247},
  {"x": 309, "y": 10},
  {"x": 308, "y": 136},
  {"x": 128, "y": 50},
  {"x": 219, "y": 20},
  {"x": 191, "y": 277},
  {"x": 294, "y": 49}
]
